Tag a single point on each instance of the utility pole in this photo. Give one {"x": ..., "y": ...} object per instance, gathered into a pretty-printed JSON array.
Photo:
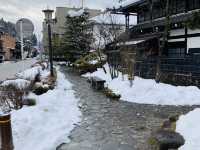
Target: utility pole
[
  {"x": 22, "y": 38},
  {"x": 82, "y": 3}
]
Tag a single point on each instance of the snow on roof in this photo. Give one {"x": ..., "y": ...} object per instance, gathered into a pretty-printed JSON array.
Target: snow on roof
[
  {"x": 126, "y": 3},
  {"x": 130, "y": 43},
  {"x": 73, "y": 13},
  {"x": 108, "y": 18}
]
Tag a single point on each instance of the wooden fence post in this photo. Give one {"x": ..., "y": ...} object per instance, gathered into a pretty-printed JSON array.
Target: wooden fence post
[{"x": 6, "y": 141}]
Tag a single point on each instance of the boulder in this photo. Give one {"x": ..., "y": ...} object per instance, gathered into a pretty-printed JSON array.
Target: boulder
[
  {"x": 40, "y": 88},
  {"x": 166, "y": 139}
]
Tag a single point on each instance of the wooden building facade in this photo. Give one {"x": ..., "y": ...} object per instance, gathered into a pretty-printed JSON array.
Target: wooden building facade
[{"x": 166, "y": 42}]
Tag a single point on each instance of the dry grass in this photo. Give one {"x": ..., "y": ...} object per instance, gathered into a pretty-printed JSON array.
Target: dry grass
[{"x": 11, "y": 98}]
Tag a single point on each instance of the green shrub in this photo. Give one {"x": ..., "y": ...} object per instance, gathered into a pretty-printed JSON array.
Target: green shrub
[
  {"x": 30, "y": 102},
  {"x": 40, "y": 90},
  {"x": 84, "y": 62}
]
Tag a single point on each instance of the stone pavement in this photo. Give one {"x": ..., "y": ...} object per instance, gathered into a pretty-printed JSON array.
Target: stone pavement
[{"x": 113, "y": 125}]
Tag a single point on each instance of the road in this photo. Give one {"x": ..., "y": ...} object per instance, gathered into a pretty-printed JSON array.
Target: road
[{"x": 9, "y": 69}]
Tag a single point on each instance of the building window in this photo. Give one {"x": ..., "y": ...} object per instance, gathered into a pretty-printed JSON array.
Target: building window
[
  {"x": 144, "y": 15},
  {"x": 176, "y": 49},
  {"x": 176, "y": 6},
  {"x": 181, "y": 6},
  {"x": 158, "y": 10},
  {"x": 141, "y": 17},
  {"x": 176, "y": 52},
  {"x": 194, "y": 4}
]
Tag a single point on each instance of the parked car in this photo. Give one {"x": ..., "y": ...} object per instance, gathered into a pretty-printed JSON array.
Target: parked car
[{"x": 1, "y": 58}]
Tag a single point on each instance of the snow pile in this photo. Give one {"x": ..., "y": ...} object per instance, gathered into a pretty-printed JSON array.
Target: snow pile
[
  {"x": 93, "y": 62},
  {"x": 19, "y": 83},
  {"x": 44, "y": 74},
  {"x": 30, "y": 74},
  {"x": 147, "y": 91},
  {"x": 63, "y": 63},
  {"x": 73, "y": 13},
  {"x": 101, "y": 74},
  {"x": 188, "y": 126},
  {"x": 48, "y": 124}
]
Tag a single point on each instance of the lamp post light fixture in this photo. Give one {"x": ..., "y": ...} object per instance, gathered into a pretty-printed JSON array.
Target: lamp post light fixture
[{"x": 48, "y": 19}]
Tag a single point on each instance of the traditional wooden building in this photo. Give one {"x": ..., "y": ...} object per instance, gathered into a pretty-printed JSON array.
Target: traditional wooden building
[{"x": 165, "y": 41}]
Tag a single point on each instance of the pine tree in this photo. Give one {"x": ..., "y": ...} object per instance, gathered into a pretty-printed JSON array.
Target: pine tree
[
  {"x": 34, "y": 40},
  {"x": 56, "y": 43},
  {"x": 78, "y": 37}
]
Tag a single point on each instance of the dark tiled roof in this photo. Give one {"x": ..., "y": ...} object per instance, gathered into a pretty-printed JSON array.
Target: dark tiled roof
[{"x": 161, "y": 21}]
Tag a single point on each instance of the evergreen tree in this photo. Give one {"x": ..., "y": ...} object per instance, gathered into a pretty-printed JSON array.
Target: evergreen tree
[
  {"x": 34, "y": 40},
  {"x": 78, "y": 36},
  {"x": 56, "y": 43}
]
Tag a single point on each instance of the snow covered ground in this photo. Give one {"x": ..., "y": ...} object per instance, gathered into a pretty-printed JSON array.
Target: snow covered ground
[
  {"x": 188, "y": 126},
  {"x": 48, "y": 123},
  {"x": 9, "y": 69},
  {"x": 147, "y": 91}
]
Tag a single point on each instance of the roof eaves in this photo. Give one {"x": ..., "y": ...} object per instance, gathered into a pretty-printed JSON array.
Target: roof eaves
[{"x": 124, "y": 8}]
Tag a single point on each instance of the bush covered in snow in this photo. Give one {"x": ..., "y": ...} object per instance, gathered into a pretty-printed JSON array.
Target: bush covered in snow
[
  {"x": 12, "y": 91},
  {"x": 34, "y": 72},
  {"x": 42, "y": 64},
  {"x": 19, "y": 84},
  {"x": 90, "y": 62},
  {"x": 30, "y": 74}
]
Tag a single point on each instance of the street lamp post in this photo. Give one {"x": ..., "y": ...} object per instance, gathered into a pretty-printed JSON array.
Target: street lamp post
[{"x": 48, "y": 20}]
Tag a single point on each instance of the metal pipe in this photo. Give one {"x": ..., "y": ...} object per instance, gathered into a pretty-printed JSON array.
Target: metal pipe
[{"x": 6, "y": 141}]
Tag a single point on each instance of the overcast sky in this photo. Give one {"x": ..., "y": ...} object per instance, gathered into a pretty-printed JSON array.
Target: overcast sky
[{"x": 12, "y": 10}]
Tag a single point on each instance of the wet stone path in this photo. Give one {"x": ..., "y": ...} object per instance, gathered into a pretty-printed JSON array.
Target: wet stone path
[{"x": 113, "y": 125}]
